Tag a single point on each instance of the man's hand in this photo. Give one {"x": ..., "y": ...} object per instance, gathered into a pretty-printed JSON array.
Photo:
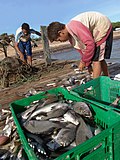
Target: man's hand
[{"x": 81, "y": 65}]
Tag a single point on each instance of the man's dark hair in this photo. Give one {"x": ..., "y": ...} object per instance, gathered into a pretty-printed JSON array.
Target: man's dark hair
[
  {"x": 25, "y": 26},
  {"x": 53, "y": 29}
]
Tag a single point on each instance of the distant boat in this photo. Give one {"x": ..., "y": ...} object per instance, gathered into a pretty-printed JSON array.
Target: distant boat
[{"x": 117, "y": 29}]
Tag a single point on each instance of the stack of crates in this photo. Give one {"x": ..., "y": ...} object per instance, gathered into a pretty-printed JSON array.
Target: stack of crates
[{"x": 108, "y": 140}]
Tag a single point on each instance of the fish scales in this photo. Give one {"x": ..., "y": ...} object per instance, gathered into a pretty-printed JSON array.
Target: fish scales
[
  {"x": 48, "y": 108},
  {"x": 55, "y": 113},
  {"x": 39, "y": 104},
  {"x": 83, "y": 133},
  {"x": 83, "y": 109},
  {"x": 71, "y": 116},
  {"x": 64, "y": 137},
  {"x": 42, "y": 127}
]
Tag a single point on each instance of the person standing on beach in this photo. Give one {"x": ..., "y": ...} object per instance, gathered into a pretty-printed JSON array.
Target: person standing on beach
[
  {"x": 91, "y": 34},
  {"x": 23, "y": 42}
]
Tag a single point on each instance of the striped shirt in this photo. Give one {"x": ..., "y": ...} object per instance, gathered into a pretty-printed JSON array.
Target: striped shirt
[{"x": 20, "y": 36}]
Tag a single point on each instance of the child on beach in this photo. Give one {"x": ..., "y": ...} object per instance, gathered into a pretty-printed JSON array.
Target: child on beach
[
  {"x": 23, "y": 42},
  {"x": 91, "y": 34}
]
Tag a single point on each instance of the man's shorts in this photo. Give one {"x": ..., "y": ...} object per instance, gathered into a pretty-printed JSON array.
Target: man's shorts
[
  {"x": 25, "y": 48},
  {"x": 104, "y": 50}
]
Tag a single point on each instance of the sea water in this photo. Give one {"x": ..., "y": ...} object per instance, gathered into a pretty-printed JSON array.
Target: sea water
[{"x": 72, "y": 54}]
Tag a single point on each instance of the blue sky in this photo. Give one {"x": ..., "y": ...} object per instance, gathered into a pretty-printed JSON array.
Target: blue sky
[{"x": 42, "y": 12}]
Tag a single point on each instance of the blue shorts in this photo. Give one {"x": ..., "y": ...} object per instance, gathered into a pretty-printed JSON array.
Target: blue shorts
[{"x": 25, "y": 48}]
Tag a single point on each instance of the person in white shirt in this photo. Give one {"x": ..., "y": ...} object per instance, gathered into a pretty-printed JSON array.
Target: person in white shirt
[{"x": 23, "y": 42}]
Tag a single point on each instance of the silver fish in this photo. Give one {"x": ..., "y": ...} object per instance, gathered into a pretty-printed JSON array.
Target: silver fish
[
  {"x": 83, "y": 109},
  {"x": 82, "y": 133},
  {"x": 42, "y": 127},
  {"x": 6, "y": 111},
  {"x": 55, "y": 113},
  {"x": 64, "y": 137},
  {"x": 48, "y": 108},
  {"x": 4, "y": 116},
  {"x": 88, "y": 89},
  {"x": 39, "y": 104},
  {"x": 71, "y": 116},
  {"x": 39, "y": 117},
  {"x": 68, "y": 81},
  {"x": 58, "y": 119},
  {"x": 31, "y": 109},
  {"x": 7, "y": 130}
]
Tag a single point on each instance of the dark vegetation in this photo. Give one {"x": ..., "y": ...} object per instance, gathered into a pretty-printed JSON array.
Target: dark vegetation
[{"x": 115, "y": 25}]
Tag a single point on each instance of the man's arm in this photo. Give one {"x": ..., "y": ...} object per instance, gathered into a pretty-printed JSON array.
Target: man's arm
[
  {"x": 38, "y": 33},
  {"x": 86, "y": 41},
  {"x": 35, "y": 32}
]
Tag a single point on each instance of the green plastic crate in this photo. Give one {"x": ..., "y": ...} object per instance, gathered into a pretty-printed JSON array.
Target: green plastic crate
[
  {"x": 108, "y": 139},
  {"x": 101, "y": 89}
]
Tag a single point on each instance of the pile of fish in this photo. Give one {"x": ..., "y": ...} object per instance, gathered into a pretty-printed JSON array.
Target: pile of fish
[
  {"x": 54, "y": 125},
  {"x": 10, "y": 145}
]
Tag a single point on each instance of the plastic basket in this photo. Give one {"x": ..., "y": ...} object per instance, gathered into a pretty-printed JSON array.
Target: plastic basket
[
  {"x": 108, "y": 140},
  {"x": 101, "y": 89}
]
